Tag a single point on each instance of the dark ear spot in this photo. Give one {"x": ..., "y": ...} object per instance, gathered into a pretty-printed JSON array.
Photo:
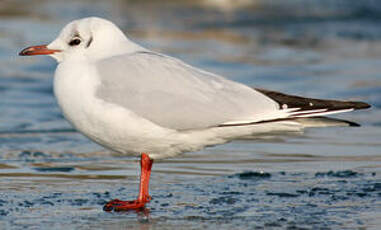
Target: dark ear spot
[{"x": 89, "y": 42}]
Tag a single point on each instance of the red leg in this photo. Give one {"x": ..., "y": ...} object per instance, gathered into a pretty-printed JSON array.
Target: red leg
[{"x": 143, "y": 198}]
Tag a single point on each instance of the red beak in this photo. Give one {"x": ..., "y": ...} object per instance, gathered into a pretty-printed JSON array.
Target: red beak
[{"x": 37, "y": 50}]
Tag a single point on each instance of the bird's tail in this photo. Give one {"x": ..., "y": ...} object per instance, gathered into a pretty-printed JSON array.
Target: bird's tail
[{"x": 309, "y": 122}]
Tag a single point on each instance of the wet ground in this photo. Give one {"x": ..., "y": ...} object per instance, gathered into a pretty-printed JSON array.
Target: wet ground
[{"x": 51, "y": 177}]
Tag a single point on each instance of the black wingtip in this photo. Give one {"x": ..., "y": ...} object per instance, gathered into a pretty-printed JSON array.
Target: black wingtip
[
  {"x": 361, "y": 105},
  {"x": 293, "y": 101}
]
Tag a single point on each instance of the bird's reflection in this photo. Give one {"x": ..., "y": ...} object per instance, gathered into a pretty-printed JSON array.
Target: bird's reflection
[
  {"x": 143, "y": 213},
  {"x": 143, "y": 216}
]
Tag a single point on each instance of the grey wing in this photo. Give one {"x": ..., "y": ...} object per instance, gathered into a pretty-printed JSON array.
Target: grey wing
[{"x": 175, "y": 95}]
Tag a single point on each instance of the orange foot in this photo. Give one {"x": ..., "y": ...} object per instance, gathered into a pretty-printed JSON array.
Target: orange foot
[
  {"x": 143, "y": 198},
  {"x": 120, "y": 205}
]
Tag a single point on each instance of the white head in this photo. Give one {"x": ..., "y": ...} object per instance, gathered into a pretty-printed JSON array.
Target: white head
[{"x": 91, "y": 38}]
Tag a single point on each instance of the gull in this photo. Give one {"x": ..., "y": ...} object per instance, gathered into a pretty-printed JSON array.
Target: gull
[{"x": 132, "y": 100}]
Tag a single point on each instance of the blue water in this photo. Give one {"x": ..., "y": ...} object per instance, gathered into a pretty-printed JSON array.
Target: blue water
[{"x": 53, "y": 177}]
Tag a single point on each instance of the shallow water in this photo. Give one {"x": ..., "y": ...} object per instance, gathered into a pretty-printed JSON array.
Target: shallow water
[{"x": 53, "y": 177}]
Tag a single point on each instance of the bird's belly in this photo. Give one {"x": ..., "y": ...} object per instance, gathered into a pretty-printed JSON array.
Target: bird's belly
[{"x": 107, "y": 124}]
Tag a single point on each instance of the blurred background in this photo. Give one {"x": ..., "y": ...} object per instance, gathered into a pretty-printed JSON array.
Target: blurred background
[{"x": 326, "y": 48}]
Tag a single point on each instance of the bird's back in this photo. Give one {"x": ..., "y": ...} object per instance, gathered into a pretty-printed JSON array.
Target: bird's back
[{"x": 175, "y": 95}]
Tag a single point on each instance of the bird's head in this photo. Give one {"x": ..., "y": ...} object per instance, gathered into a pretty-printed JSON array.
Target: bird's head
[{"x": 91, "y": 38}]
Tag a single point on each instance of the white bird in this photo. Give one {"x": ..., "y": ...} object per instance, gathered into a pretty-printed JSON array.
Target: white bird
[{"x": 136, "y": 101}]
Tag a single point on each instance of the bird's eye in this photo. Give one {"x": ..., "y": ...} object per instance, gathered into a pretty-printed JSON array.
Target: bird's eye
[{"x": 75, "y": 42}]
